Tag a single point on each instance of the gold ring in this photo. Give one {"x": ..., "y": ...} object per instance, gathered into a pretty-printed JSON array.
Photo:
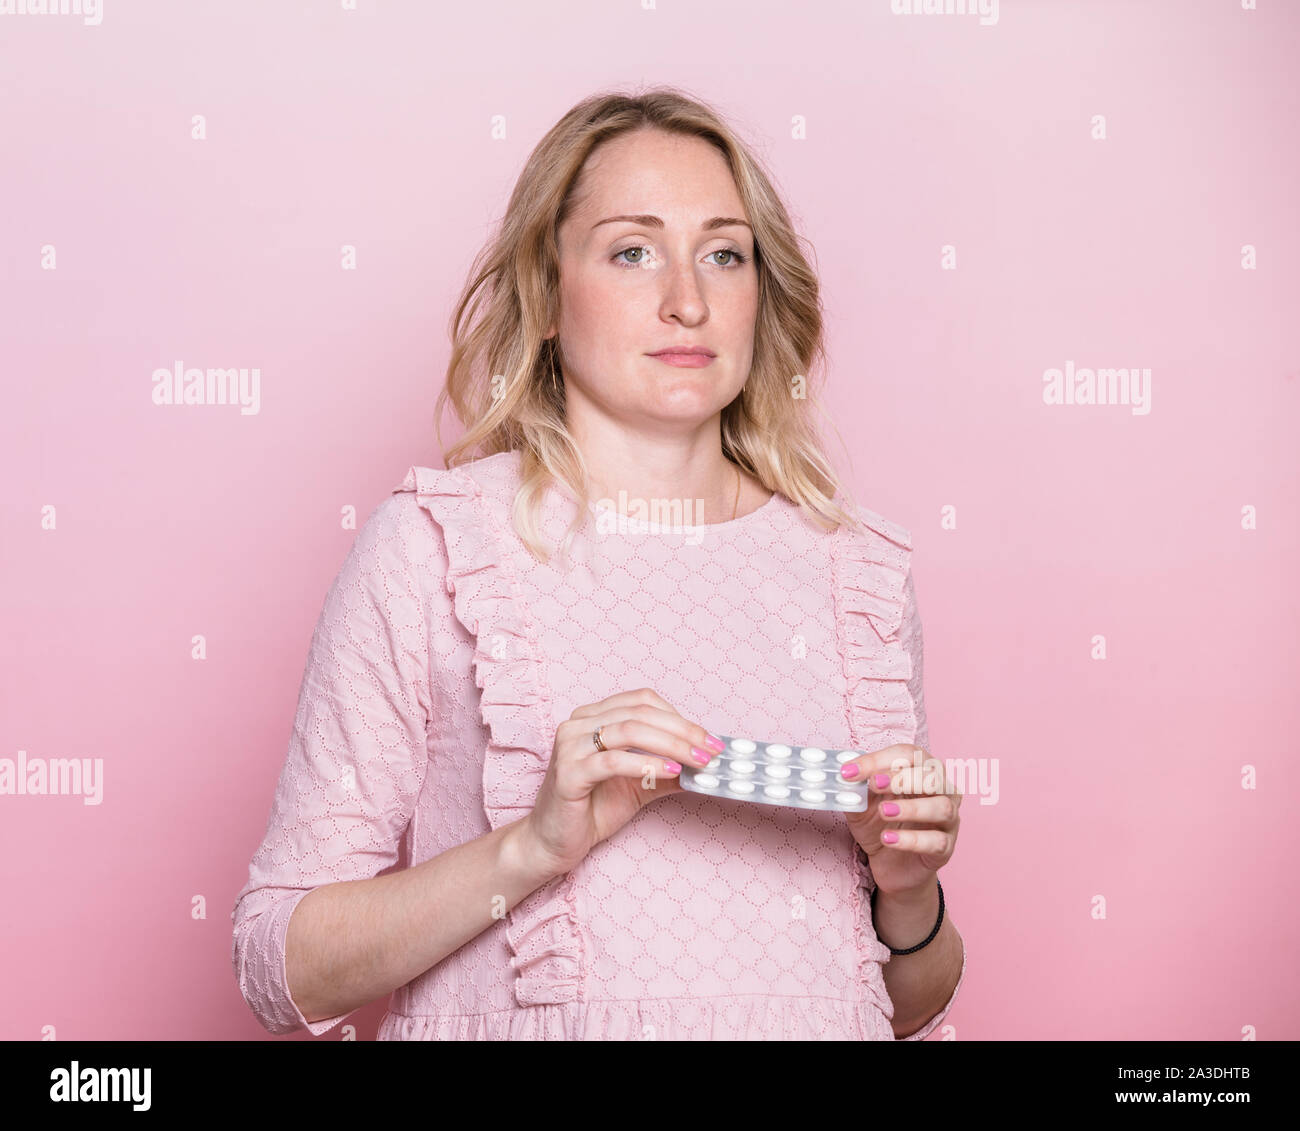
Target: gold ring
[{"x": 595, "y": 737}]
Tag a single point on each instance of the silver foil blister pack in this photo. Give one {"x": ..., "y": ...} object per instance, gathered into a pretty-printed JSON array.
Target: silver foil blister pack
[{"x": 778, "y": 773}]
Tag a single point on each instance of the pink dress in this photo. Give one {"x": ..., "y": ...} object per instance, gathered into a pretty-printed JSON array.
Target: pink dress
[{"x": 445, "y": 657}]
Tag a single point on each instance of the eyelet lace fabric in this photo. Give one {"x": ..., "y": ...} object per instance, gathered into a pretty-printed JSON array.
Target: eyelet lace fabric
[{"x": 444, "y": 659}]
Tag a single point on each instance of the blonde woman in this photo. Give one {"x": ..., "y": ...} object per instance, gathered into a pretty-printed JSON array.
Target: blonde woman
[{"x": 520, "y": 653}]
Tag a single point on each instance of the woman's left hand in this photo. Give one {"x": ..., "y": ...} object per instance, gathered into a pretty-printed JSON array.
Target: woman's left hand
[{"x": 924, "y": 815}]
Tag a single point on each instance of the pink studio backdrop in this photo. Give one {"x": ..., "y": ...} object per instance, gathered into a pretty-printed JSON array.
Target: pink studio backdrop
[{"x": 1161, "y": 777}]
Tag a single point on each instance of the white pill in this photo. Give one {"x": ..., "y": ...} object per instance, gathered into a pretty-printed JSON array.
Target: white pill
[
  {"x": 812, "y": 796},
  {"x": 740, "y": 766},
  {"x": 846, "y": 756},
  {"x": 812, "y": 754},
  {"x": 708, "y": 781},
  {"x": 777, "y": 752},
  {"x": 739, "y": 785},
  {"x": 813, "y": 775},
  {"x": 742, "y": 746},
  {"x": 847, "y": 798},
  {"x": 778, "y": 772},
  {"x": 777, "y": 791}
]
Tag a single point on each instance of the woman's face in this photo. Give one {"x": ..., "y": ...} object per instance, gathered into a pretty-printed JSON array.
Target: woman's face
[{"x": 631, "y": 287}]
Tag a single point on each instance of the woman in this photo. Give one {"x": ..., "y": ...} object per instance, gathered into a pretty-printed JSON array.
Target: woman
[{"x": 508, "y": 674}]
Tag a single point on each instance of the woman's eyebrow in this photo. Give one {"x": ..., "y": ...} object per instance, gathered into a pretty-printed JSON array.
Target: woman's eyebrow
[{"x": 655, "y": 222}]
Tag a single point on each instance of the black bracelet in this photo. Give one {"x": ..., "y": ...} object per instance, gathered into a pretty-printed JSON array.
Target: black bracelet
[{"x": 929, "y": 938}]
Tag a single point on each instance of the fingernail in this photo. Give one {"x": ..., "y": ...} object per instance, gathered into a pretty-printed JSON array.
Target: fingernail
[
  {"x": 890, "y": 837},
  {"x": 701, "y": 756},
  {"x": 716, "y": 743},
  {"x": 890, "y": 809},
  {"x": 882, "y": 780},
  {"x": 850, "y": 771},
  {"x": 673, "y": 767}
]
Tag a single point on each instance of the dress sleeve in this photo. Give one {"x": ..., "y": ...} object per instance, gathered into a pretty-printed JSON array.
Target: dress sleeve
[
  {"x": 909, "y": 634},
  {"x": 356, "y": 758}
]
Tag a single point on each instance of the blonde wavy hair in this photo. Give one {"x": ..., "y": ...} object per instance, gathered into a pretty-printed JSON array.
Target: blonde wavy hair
[{"x": 505, "y": 379}]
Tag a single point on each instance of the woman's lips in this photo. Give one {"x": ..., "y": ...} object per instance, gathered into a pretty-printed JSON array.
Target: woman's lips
[{"x": 684, "y": 360}]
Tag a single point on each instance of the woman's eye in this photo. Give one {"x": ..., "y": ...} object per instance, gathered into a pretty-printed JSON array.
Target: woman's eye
[{"x": 737, "y": 258}]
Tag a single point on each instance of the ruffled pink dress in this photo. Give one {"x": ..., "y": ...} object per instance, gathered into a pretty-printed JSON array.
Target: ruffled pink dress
[{"x": 442, "y": 663}]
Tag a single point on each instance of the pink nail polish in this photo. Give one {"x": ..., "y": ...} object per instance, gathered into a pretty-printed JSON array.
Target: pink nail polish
[
  {"x": 882, "y": 780},
  {"x": 890, "y": 809},
  {"x": 701, "y": 756},
  {"x": 850, "y": 771},
  {"x": 890, "y": 837},
  {"x": 673, "y": 767},
  {"x": 716, "y": 743}
]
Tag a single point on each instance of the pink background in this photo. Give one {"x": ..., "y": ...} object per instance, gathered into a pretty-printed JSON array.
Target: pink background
[{"x": 1118, "y": 777}]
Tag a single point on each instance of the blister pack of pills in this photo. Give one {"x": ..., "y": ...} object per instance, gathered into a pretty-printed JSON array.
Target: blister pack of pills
[{"x": 776, "y": 773}]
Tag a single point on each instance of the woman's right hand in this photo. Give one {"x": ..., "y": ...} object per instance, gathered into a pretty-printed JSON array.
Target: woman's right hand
[{"x": 589, "y": 794}]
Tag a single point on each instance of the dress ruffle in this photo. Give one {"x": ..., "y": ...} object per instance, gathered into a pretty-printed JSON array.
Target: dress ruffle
[
  {"x": 542, "y": 930},
  {"x": 872, "y": 953},
  {"x": 741, "y": 1017},
  {"x": 869, "y": 576}
]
